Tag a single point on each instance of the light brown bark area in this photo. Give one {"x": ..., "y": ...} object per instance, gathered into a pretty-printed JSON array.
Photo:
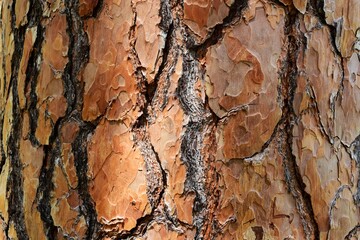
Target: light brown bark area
[{"x": 194, "y": 119}]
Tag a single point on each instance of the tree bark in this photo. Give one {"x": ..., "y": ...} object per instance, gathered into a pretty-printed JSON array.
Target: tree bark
[{"x": 194, "y": 119}]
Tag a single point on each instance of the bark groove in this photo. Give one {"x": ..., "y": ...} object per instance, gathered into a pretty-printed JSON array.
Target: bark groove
[{"x": 169, "y": 119}]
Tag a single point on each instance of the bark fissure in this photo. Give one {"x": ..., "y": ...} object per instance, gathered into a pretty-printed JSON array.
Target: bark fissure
[
  {"x": 207, "y": 123},
  {"x": 74, "y": 89},
  {"x": 158, "y": 95},
  {"x": 155, "y": 174},
  {"x": 354, "y": 233},
  {"x": 192, "y": 139},
  {"x": 140, "y": 228},
  {"x": 317, "y": 7},
  {"x": 355, "y": 154},
  {"x": 14, "y": 187},
  {"x": 3, "y": 66},
  {"x": 32, "y": 71},
  {"x": 2, "y": 151},
  {"x": 79, "y": 147},
  {"x": 96, "y": 11},
  {"x": 78, "y": 56},
  {"x": 200, "y": 117},
  {"x": 151, "y": 88},
  {"x": 170, "y": 53},
  {"x": 333, "y": 202},
  {"x": 46, "y": 185},
  {"x": 235, "y": 13},
  {"x": 195, "y": 176},
  {"x": 293, "y": 178}
]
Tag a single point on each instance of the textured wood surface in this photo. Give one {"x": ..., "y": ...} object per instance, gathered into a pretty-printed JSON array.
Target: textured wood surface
[{"x": 193, "y": 119}]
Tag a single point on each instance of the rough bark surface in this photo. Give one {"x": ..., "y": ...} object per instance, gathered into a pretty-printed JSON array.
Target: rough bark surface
[{"x": 192, "y": 119}]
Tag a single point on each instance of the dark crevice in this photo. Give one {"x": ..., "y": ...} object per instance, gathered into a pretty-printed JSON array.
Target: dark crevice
[
  {"x": 69, "y": 75},
  {"x": 315, "y": 106},
  {"x": 355, "y": 145},
  {"x": 270, "y": 140},
  {"x": 235, "y": 13},
  {"x": 3, "y": 65},
  {"x": 14, "y": 186},
  {"x": 259, "y": 232},
  {"x": 155, "y": 174},
  {"x": 163, "y": 175},
  {"x": 174, "y": 221},
  {"x": 32, "y": 73},
  {"x": 170, "y": 54},
  {"x": 333, "y": 203},
  {"x": 138, "y": 230},
  {"x": 78, "y": 51},
  {"x": 191, "y": 143},
  {"x": 32, "y": 70},
  {"x": 2, "y": 151},
  {"x": 166, "y": 17},
  {"x": 152, "y": 87},
  {"x": 354, "y": 233},
  {"x": 195, "y": 174},
  {"x": 200, "y": 119},
  {"x": 317, "y": 8},
  {"x": 46, "y": 185},
  {"x": 78, "y": 54},
  {"x": 191, "y": 104},
  {"x": 96, "y": 11},
  {"x": 138, "y": 72},
  {"x": 288, "y": 76},
  {"x": 35, "y": 13},
  {"x": 79, "y": 147}
]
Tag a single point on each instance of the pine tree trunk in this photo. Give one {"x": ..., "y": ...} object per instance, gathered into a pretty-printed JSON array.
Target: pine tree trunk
[{"x": 194, "y": 119}]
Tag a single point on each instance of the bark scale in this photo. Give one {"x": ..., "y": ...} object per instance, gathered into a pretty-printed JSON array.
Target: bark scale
[{"x": 191, "y": 119}]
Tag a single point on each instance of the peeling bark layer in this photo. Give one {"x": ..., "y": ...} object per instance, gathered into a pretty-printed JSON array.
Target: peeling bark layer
[{"x": 194, "y": 119}]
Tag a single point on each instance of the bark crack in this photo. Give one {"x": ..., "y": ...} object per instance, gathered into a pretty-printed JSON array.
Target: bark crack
[
  {"x": 333, "y": 202},
  {"x": 96, "y": 11},
  {"x": 192, "y": 139},
  {"x": 79, "y": 147},
  {"x": 317, "y": 8},
  {"x": 158, "y": 93},
  {"x": 354, "y": 233},
  {"x": 200, "y": 117},
  {"x": 32, "y": 71},
  {"x": 217, "y": 33},
  {"x": 46, "y": 186},
  {"x": 355, "y": 155},
  {"x": 14, "y": 186},
  {"x": 2, "y": 151},
  {"x": 78, "y": 51},
  {"x": 293, "y": 178},
  {"x": 155, "y": 174},
  {"x": 78, "y": 54}
]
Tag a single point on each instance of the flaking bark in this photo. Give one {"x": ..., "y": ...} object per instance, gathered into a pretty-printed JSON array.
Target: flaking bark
[{"x": 168, "y": 119}]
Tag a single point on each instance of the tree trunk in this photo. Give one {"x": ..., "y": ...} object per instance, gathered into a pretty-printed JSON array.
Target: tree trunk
[{"x": 192, "y": 119}]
